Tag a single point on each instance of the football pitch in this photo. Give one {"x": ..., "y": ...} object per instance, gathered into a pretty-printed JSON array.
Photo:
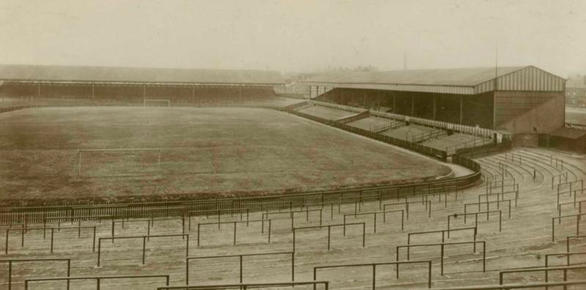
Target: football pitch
[{"x": 143, "y": 153}]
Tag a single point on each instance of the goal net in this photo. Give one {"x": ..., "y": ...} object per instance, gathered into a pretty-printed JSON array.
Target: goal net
[
  {"x": 156, "y": 102},
  {"x": 118, "y": 162}
]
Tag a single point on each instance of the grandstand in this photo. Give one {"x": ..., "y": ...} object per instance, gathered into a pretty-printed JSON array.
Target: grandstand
[
  {"x": 223, "y": 191},
  {"x": 119, "y": 86},
  {"x": 519, "y": 100}
]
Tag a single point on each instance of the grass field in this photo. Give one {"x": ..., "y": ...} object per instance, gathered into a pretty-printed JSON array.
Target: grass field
[{"x": 190, "y": 151}]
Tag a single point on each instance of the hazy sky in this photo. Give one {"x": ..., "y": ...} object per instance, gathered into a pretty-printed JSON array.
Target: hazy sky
[{"x": 296, "y": 35}]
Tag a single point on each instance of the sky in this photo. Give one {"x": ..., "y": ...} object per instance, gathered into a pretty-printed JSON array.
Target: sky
[{"x": 296, "y": 35}]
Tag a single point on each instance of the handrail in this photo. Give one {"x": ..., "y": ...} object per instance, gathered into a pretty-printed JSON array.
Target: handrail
[
  {"x": 97, "y": 278},
  {"x": 515, "y": 286},
  {"x": 246, "y": 285}
]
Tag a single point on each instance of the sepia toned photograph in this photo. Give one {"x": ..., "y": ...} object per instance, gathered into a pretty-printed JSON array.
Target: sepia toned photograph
[{"x": 292, "y": 144}]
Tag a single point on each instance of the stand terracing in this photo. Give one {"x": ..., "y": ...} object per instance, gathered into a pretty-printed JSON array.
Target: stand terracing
[{"x": 538, "y": 194}]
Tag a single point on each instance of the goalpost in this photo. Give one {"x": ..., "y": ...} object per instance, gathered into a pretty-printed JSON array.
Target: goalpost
[
  {"x": 156, "y": 102},
  {"x": 114, "y": 162}
]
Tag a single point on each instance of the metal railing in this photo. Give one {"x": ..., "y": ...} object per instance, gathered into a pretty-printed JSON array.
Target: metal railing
[
  {"x": 240, "y": 262},
  {"x": 10, "y": 262},
  {"x": 98, "y": 279},
  {"x": 515, "y": 286},
  {"x": 374, "y": 265},
  {"x": 245, "y": 286}
]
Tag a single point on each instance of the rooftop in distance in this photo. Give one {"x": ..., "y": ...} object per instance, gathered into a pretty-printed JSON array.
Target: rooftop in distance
[{"x": 137, "y": 75}]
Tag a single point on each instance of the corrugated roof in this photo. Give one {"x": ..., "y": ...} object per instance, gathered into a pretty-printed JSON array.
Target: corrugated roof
[
  {"x": 127, "y": 74},
  {"x": 432, "y": 77}
]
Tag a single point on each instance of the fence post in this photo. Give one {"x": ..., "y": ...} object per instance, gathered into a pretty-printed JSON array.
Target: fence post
[
  {"x": 52, "y": 239},
  {"x": 553, "y": 229},
  {"x": 314, "y": 277},
  {"x": 483, "y": 256},
  {"x": 293, "y": 266},
  {"x": 234, "y": 242},
  {"x": 240, "y": 261},
  {"x": 329, "y": 235},
  {"x": 363, "y": 235},
  {"x": 442, "y": 259},
  {"x": 293, "y": 239},
  {"x": 186, "y": 271},
  {"x": 198, "y": 233},
  {"x": 9, "y": 274},
  {"x": 143, "y": 249},
  {"x": 68, "y": 272},
  {"x": 99, "y": 251},
  {"x": 373, "y": 276},
  {"x": 429, "y": 274},
  {"x": 269, "y": 236},
  {"x": 397, "y": 267}
]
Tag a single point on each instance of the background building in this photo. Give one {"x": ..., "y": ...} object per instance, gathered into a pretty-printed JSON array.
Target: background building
[{"x": 576, "y": 91}]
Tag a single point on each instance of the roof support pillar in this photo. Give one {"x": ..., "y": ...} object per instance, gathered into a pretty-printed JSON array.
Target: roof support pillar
[
  {"x": 461, "y": 108},
  {"x": 379, "y": 99},
  {"x": 494, "y": 110},
  {"x": 434, "y": 98},
  {"x": 394, "y": 104},
  {"x": 412, "y": 106}
]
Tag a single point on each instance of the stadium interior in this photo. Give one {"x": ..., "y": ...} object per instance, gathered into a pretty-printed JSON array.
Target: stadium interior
[{"x": 127, "y": 178}]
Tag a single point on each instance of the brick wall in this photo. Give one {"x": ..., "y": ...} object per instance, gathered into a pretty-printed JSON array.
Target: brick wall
[{"x": 529, "y": 112}]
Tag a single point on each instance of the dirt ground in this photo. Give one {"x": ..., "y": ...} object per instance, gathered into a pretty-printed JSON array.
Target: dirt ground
[{"x": 116, "y": 153}]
